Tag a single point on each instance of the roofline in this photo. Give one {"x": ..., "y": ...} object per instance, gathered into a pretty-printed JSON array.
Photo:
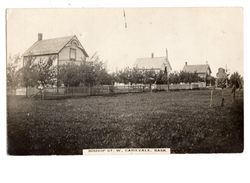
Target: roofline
[
  {"x": 58, "y": 37},
  {"x": 41, "y": 54},
  {"x": 83, "y": 50},
  {"x": 149, "y": 57},
  {"x": 199, "y": 65},
  {"x": 170, "y": 68},
  {"x": 66, "y": 44},
  {"x": 29, "y": 48},
  {"x": 82, "y": 46},
  {"x": 141, "y": 68}
]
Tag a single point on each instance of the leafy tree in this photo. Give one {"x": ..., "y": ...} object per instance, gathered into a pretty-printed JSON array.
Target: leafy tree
[
  {"x": 236, "y": 80},
  {"x": 94, "y": 72},
  {"x": 12, "y": 76},
  {"x": 174, "y": 78},
  {"x": 136, "y": 75},
  {"x": 46, "y": 71},
  {"x": 210, "y": 80},
  {"x": 28, "y": 73},
  {"x": 88, "y": 73},
  {"x": 124, "y": 76},
  {"x": 161, "y": 79},
  {"x": 104, "y": 78},
  {"x": 68, "y": 75},
  {"x": 115, "y": 77},
  {"x": 150, "y": 76},
  {"x": 187, "y": 77},
  {"x": 131, "y": 75},
  {"x": 35, "y": 73},
  {"x": 12, "y": 72}
]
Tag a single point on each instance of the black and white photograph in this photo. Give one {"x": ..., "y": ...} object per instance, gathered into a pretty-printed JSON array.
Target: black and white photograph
[{"x": 127, "y": 79}]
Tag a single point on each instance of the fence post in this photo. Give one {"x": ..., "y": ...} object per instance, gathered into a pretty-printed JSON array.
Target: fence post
[
  {"x": 222, "y": 99},
  {"x": 211, "y": 98},
  {"x": 89, "y": 90}
]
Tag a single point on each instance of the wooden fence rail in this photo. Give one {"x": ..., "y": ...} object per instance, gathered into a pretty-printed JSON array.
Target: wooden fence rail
[
  {"x": 65, "y": 92},
  {"x": 50, "y": 93}
]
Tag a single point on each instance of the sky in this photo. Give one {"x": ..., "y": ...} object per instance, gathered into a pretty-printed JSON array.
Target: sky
[{"x": 192, "y": 35}]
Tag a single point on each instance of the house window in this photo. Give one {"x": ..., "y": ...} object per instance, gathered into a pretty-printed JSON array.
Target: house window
[
  {"x": 74, "y": 43},
  {"x": 72, "y": 54}
]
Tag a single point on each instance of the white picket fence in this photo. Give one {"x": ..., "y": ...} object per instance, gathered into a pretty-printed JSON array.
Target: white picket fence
[
  {"x": 102, "y": 90},
  {"x": 182, "y": 86}
]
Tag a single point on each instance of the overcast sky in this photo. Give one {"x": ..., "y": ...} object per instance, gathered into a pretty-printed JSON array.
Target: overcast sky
[{"x": 195, "y": 35}]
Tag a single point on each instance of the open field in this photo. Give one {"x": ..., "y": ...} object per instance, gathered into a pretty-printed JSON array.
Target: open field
[{"x": 180, "y": 120}]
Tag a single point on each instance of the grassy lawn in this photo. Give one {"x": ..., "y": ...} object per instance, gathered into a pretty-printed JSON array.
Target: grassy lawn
[{"x": 180, "y": 120}]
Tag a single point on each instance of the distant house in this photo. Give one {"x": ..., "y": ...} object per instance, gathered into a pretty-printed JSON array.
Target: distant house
[
  {"x": 154, "y": 63},
  {"x": 64, "y": 50},
  {"x": 203, "y": 70}
]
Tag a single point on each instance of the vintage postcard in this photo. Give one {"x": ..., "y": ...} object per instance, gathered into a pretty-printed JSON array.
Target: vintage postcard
[{"x": 92, "y": 81}]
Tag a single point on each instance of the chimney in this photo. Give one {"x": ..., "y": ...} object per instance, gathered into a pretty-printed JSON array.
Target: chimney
[
  {"x": 40, "y": 36},
  {"x": 166, "y": 53},
  {"x": 152, "y": 55},
  {"x": 186, "y": 63}
]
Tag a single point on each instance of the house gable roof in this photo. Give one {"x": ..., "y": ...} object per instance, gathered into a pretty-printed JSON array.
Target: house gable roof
[
  {"x": 51, "y": 46},
  {"x": 153, "y": 63},
  {"x": 197, "y": 68}
]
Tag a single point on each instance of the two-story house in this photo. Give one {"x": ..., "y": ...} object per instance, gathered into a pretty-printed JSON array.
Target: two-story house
[{"x": 64, "y": 50}]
